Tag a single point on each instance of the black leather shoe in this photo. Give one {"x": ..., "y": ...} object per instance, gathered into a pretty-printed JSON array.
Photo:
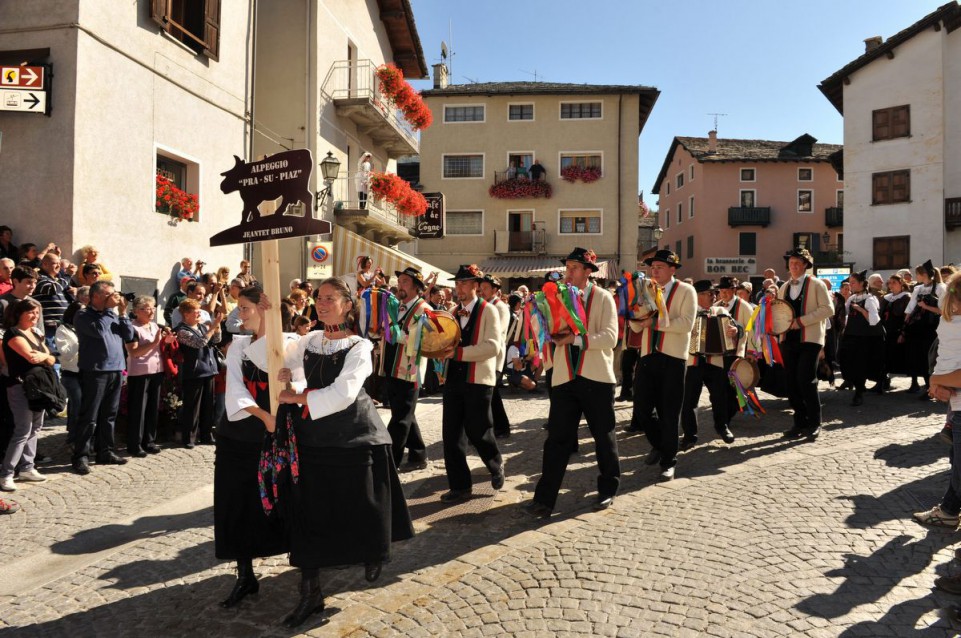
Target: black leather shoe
[
  {"x": 812, "y": 433},
  {"x": 246, "y": 584},
  {"x": 726, "y": 435},
  {"x": 497, "y": 480},
  {"x": 372, "y": 571},
  {"x": 603, "y": 503},
  {"x": 111, "y": 459},
  {"x": 858, "y": 398},
  {"x": 311, "y": 602},
  {"x": 137, "y": 453},
  {"x": 686, "y": 444},
  {"x": 538, "y": 510},
  {"x": 633, "y": 429},
  {"x": 81, "y": 467},
  {"x": 653, "y": 458},
  {"x": 455, "y": 496},
  {"x": 794, "y": 433},
  {"x": 188, "y": 445},
  {"x": 667, "y": 474},
  {"x": 502, "y": 435},
  {"x": 413, "y": 466},
  {"x": 152, "y": 449}
]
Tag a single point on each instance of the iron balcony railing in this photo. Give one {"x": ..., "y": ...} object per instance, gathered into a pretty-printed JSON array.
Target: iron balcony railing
[
  {"x": 346, "y": 199},
  {"x": 952, "y": 213},
  {"x": 749, "y": 216},
  {"x": 834, "y": 216}
]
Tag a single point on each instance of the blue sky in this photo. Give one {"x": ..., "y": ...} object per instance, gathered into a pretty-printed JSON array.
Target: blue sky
[{"x": 758, "y": 61}]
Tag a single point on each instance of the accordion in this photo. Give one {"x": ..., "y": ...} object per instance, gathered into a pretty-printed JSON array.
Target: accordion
[{"x": 709, "y": 336}]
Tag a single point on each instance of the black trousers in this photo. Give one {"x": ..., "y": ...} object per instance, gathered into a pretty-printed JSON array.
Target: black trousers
[
  {"x": 100, "y": 399},
  {"x": 801, "y": 365},
  {"x": 569, "y": 401},
  {"x": 143, "y": 407},
  {"x": 467, "y": 418},
  {"x": 659, "y": 385},
  {"x": 629, "y": 359},
  {"x": 502, "y": 424},
  {"x": 198, "y": 409},
  {"x": 715, "y": 379},
  {"x": 403, "y": 428}
]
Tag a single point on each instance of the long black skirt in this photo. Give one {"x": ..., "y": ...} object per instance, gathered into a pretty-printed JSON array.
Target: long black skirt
[
  {"x": 917, "y": 345},
  {"x": 862, "y": 358},
  {"x": 346, "y": 507},
  {"x": 241, "y": 528}
]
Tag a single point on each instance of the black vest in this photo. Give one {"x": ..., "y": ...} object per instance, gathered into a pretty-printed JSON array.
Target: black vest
[
  {"x": 250, "y": 429},
  {"x": 798, "y": 306},
  {"x": 198, "y": 362},
  {"x": 857, "y": 325}
]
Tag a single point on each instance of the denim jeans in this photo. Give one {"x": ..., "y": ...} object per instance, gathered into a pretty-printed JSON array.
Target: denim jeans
[{"x": 951, "y": 503}]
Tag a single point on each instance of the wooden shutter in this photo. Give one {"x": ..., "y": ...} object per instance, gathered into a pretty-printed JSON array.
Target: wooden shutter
[
  {"x": 212, "y": 29},
  {"x": 880, "y": 188},
  {"x": 901, "y": 121},
  {"x": 900, "y": 186},
  {"x": 882, "y": 124},
  {"x": 160, "y": 13}
]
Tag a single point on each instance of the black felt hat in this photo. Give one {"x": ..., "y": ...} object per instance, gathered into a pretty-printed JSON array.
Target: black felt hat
[
  {"x": 703, "y": 285},
  {"x": 728, "y": 283},
  {"x": 492, "y": 280},
  {"x": 801, "y": 253},
  {"x": 468, "y": 272},
  {"x": 669, "y": 257},
  {"x": 414, "y": 274},
  {"x": 927, "y": 267},
  {"x": 583, "y": 256}
]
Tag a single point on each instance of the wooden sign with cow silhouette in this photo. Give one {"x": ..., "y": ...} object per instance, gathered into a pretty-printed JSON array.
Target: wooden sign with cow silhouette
[{"x": 284, "y": 176}]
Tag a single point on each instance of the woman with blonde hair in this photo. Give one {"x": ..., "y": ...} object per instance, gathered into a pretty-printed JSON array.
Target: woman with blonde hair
[{"x": 89, "y": 255}]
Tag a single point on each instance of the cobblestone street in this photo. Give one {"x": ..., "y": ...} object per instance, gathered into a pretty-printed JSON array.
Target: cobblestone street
[{"x": 765, "y": 537}]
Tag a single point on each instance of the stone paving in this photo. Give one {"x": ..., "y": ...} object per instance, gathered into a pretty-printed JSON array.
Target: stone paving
[{"x": 765, "y": 537}]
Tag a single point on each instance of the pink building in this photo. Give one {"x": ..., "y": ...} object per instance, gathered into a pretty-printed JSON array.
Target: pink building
[{"x": 734, "y": 207}]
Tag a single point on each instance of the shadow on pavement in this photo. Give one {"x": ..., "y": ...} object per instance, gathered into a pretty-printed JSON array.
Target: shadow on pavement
[{"x": 106, "y": 537}]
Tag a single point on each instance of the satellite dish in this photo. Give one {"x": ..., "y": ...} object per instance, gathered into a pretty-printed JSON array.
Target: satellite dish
[{"x": 443, "y": 50}]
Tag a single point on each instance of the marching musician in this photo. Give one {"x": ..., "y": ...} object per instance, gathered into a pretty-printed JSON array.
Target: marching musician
[
  {"x": 659, "y": 379},
  {"x": 404, "y": 376},
  {"x": 920, "y": 328},
  {"x": 490, "y": 291},
  {"x": 707, "y": 370},
  {"x": 740, "y": 311},
  {"x": 801, "y": 344},
  {"x": 583, "y": 384},
  {"x": 471, "y": 376},
  {"x": 862, "y": 348}
]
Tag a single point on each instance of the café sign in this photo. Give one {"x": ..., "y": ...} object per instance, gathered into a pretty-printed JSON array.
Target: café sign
[{"x": 730, "y": 266}]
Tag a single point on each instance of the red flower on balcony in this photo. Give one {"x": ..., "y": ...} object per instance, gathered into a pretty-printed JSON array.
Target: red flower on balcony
[
  {"x": 574, "y": 172},
  {"x": 390, "y": 188},
  {"x": 520, "y": 189},
  {"x": 175, "y": 202},
  {"x": 405, "y": 98}
]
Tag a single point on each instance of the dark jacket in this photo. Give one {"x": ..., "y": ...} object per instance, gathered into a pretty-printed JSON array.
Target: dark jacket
[{"x": 101, "y": 335}]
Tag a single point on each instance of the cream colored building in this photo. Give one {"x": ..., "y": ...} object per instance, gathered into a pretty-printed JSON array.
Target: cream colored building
[
  {"x": 901, "y": 102},
  {"x": 481, "y": 130},
  {"x": 128, "y": 97}
]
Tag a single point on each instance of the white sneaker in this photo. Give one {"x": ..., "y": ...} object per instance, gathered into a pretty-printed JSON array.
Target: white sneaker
[
  {"x": 32, "y": 476},
  {"x": 7, "y": 484}
]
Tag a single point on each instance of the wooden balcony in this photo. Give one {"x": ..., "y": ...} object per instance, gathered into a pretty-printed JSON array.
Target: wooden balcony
[
  {"x": 748, "y": 216},
  {"x": 952, "y": 213},
  {"x": 834, "y": 217}
]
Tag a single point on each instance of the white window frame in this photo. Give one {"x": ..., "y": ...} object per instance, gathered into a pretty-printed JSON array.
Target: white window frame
[
  {"x": 599, "y": 211},
  {"x": 682, "y": 180},
  {"x": 837, "y": 192},
  {"x": 509, "y": 153},
  {"x": 798, "y": 200},
  {"x": 690, "y": 207},
  {"x": 579, "y": 119},
  {"x": 530, "y": 104},
  {"x": 456, "y": 105},
  {"x": 680, "y": 213},
  {"x": 691, "y": 176},
  {"x": 194, "y": 174},
  {"x": 483, "y": 213},
  {"x": 740, "y": 174},
  {"x": 443, "y": 156},
  {"x": 740, "y": 198},
  {"x": 561, "y": 154},
  {"x": 507, "y": 216},
  {"x": 805, "y": 168}
]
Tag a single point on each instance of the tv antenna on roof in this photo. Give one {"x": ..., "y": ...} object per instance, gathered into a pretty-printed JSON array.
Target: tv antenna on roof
[
  {"x": 717, "y": 115},
  {"x": 534, "y": 73}
]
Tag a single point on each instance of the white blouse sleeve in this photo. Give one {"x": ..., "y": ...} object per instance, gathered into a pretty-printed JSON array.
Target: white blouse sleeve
[
  {"x": 237, "y": 398},
  {"x": 873, "y": 308},
  {"x": 348, "y": 384},
  {"x": 914, "y": 301}
]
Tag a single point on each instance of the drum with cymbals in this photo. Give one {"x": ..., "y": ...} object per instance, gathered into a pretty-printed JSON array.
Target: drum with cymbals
[
  {"x": 433, "y": 342},
  {"x": 747, "y": 372},
  {"x": 782, "y": 315}
]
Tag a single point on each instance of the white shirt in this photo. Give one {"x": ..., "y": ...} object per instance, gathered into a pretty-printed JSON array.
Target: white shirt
[
  {"x": 342, "y": 393},
  {"x": 949, "y": 353},
  {"x": 940, "y": 290},
  {"x": 794, "y": 288},
  {"x": 870, "y": 304},
  {"x": 469, "y": 308},
  {"x": 237, "y": 397}
]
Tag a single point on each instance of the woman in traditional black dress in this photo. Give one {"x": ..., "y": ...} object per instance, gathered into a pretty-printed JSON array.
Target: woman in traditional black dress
[
  {"x": 893, "y": 306},
  {"x": 862, "y": 348},
  {"x": 242, "y": 531},
  {"x": 921, "y": 324},
  {"x": 346, "y": 505}
]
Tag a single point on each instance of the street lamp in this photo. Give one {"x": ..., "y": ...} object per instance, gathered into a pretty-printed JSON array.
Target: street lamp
[
  {"x": 329, "y": 168},
  {"x": 826, "y": 239},
  {"x": 657, "y": 233}
]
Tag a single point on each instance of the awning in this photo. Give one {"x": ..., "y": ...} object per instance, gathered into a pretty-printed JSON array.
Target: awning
[
  {"x": 348, "y": 246},
  {"x": 525, "y": 267}
]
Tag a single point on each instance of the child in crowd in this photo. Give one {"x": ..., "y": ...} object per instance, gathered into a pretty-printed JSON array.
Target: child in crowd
[{"x": 302, "y": 325}]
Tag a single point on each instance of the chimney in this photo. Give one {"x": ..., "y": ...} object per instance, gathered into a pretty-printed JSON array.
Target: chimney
[
  {"x": 870, "y": 44},
  {"x": 712, "y": 142},
  {"x": 441, "y": 77}
]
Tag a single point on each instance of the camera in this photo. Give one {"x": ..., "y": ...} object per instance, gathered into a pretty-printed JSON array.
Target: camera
[{"x": 130, "y": 296}]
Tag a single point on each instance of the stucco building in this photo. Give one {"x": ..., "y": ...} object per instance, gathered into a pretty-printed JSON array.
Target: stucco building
[
  {"x": 734, "y": 207},
  {"x": 492, "y": 133},
  {"x": 901, "y": 102}
]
